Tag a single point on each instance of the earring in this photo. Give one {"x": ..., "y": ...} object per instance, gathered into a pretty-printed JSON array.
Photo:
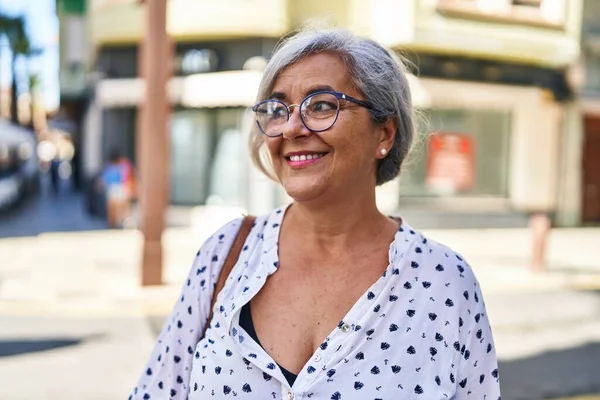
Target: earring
[{"x": 383, "y": 152}]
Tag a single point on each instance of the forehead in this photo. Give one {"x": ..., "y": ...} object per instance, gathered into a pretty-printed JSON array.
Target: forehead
[{"x": 323, "y": 69}]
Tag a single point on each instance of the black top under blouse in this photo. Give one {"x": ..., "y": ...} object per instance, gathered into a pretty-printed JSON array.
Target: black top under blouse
[{"x": 248, "y": 325}]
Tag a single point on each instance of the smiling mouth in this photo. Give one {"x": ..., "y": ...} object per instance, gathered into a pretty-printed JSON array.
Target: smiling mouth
[
  {"x": 305, "y": 157},
  {"x": 299, "y": 161}
]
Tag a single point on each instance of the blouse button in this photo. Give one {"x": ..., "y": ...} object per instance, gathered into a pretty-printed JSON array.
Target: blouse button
[
  {"x": 317, "y": 357},
  {"x": 290, "y": 395},
  {"x": 345, "y": 328}
]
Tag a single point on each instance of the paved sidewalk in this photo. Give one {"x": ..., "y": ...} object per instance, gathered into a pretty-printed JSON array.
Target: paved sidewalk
[{"x": 98, "y": 268}]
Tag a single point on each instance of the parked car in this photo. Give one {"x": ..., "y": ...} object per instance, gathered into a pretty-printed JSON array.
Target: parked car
[{"x": 19, "y": 172}]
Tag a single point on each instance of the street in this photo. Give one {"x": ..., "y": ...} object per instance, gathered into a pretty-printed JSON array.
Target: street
[
  {"x": 152, "y": 124},
  {"x": 76, "y": 324}
]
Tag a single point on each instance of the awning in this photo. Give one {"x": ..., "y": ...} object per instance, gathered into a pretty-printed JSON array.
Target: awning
[
  {"x": 220, "y": 89},
  {"x": 116, "y": 93},
  {"x": 210, "y": 90}
]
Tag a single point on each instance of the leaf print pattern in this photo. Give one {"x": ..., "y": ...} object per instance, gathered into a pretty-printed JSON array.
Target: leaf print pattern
[{"x": 420, "y": 331}]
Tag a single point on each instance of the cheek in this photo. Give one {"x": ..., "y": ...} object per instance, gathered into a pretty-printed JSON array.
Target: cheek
[
  {"x": 273, "y": 147},
  {"x": 359, "y": 145}
]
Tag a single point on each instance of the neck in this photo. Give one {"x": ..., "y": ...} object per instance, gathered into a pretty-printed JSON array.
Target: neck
[{"x": 344, "y": 222}]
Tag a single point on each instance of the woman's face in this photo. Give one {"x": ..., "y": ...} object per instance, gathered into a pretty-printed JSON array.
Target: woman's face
[{"x": 344, "y": 157}]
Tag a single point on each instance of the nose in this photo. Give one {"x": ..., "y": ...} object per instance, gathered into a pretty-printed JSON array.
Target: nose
[{"x": 294, "y": 128}]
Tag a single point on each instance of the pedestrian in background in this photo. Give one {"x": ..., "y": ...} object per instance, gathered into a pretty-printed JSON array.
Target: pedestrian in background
[
  {"x": 112, "y": 182},
  {"x": 129, "y": 182},
  {"x": 329, "y": 298},
  {"x": 55, "y": 174}
]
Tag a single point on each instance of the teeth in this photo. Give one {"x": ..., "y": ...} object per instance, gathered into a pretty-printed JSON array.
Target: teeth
[{"x": 305, "y": 157}]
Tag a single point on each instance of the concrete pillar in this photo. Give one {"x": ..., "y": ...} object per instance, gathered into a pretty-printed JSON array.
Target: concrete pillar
[{"x": 153, "y": 140}]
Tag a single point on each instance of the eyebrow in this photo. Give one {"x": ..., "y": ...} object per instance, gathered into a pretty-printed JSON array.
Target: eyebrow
[{"x": 316, "y": 89}]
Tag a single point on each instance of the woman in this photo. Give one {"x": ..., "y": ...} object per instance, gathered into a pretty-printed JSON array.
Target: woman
[{"x": 329, "y": 299}]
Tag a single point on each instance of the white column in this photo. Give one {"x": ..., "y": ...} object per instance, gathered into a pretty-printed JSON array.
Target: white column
[
  {"x": 92, "y": 140},
  {"x": 569, "y": 190},
  {"x": 534, "y": 155}
]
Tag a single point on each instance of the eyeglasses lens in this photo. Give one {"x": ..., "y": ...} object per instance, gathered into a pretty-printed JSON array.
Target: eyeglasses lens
[{"x": 318, "y": 111}]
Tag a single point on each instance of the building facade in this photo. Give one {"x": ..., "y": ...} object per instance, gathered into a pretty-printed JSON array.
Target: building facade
[
  {"x": 589, "y": 105},
  {"x": 217, "y": 69},
  {"x": 491, "y": 79},
  {"x": 494, "y": 74},
  {"x": 74, "y": 78}
]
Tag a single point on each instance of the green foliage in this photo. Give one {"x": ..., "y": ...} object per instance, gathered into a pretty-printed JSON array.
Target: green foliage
[
  {"x": 72, "y": 6},
  {"x": 20, "y": 45},
  {"x": 14, "y": 29}
]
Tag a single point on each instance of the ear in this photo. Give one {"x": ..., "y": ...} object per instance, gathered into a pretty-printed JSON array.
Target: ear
[{"x": 386, "y": 136}]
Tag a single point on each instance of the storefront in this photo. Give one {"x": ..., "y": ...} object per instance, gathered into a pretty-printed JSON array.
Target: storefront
[
  {"x": 489, "y": 139},
  {"x": 207, "y": 150},
  {"x": 466, "y": 155},
  {"x": 213, "y": 86}
]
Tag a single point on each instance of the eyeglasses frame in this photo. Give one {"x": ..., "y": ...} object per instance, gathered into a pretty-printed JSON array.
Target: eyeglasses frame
[{"x": 338, "y": 95}]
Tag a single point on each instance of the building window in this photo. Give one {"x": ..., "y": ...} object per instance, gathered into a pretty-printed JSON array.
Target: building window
[
  {"x": 207, "y": 157},
  {"x": 544, "y": 13},
  {"x": 466, "y": 155},
  {"x": 192, "y": 143}
]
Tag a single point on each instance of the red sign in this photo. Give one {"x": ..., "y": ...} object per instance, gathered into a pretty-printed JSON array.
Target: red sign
[{"x": 451, "y": 162}]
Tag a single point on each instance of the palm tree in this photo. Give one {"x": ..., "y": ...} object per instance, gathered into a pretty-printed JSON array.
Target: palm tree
[
  {"x": 34, "y": 103},
  {"x": 18, "y": 41}
]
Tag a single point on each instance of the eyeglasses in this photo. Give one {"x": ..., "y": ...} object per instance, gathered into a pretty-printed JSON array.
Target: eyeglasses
[{"x": 318, "y": 112}]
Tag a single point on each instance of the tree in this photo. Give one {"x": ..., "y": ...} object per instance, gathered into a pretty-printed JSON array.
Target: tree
[
  {"x": 34, "y": 103},
  {"x": 18, "y": 41}
]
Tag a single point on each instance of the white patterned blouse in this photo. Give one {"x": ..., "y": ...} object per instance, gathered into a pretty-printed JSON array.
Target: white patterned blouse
[{"x": 419, "y": 332}]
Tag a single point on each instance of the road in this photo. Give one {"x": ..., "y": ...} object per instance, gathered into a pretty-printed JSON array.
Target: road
[{"x": 46, "y": 212}]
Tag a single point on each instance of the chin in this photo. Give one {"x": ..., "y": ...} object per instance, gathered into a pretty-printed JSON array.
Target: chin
[{"x": 301, "y": 190}]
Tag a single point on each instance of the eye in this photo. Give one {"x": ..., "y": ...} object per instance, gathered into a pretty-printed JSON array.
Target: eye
[
  {"x": 275, "y": 110},
  {"x": 322, "y": 106}
]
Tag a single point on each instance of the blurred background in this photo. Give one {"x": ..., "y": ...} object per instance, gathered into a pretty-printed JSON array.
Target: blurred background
[{"x": 510, "y": 178}]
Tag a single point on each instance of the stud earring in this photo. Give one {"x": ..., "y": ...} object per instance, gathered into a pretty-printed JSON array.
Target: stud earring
[{"x": 383, "y": 152}]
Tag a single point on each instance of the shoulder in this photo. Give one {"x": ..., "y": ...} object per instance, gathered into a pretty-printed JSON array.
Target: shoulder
[
  {"x": 211, "y": 256},
  {"x": 454, "y": 281},
  {"x": 435, "y": 262},
  {"x": 221, "y": 240}
]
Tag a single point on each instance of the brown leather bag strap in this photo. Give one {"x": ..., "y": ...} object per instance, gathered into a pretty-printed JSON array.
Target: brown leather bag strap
[{"x": 232, "y": 257}]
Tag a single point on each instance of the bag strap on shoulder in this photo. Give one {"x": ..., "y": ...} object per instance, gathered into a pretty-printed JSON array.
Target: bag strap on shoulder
[{"x": 232, "y": 257}]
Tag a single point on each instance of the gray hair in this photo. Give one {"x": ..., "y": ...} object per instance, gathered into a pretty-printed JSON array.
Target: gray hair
[{"x": 378, "y": 74}]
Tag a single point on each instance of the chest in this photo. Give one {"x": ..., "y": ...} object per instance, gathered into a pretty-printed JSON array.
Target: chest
[
  {"x": 309, "y": 295},
  {"x": 352, "y": 365}
]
